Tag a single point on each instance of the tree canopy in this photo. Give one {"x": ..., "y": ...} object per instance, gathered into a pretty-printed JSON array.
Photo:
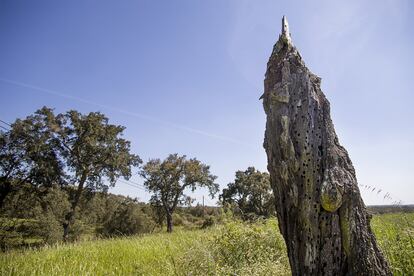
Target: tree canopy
[
  {"x": 250, "y": 192},
  {"x": 28, "y": 155},
  {"x": 168, "y": 180},
  {"x": 82, "y": 151},
  {"x": 93, "y": 151}
]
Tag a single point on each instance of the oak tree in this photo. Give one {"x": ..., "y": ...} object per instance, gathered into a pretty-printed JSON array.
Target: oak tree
[
  {"x": 170, "y": 178},
  {"x": 93, "y": 152},
  {"x": 27, "y": 156},
  {"x": 251, "y": 193}
]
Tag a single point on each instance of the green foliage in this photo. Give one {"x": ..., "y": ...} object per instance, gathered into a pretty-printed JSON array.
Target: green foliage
[
  {"x": 46, "y": 150},
  {"x": 239, "y": 249},
  {"x": 195, "y": 252},
  {"x": 157, "y": 211},
  {"x": 45, "y": 207},
  {"x": 178, "y": 220},
  {"x": 395, "y": 235},
  {"x": 93, "y": 149},
  {"x": 235, "y": 248},
  {"x": 168, "y": 179},
  {"x": 28, "y": 156},
  {"x": 55, "y": 170},
  {"x": 248, "y": 243},
  {"x": 208, "y": 222},
  {"x": 127, "y": 219},
  {"x": 101, "y": 215},
  {"x": 198, "y": 210},
  {"x": 250, "y": 194},
  {"x": 108, "y": 215},
  {"x": 15, "y": 232},
  {"x": 20, "y": 232}
]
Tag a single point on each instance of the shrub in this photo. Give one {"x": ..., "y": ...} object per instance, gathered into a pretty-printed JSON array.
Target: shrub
[
  {"x": 239, "y": 249},
  {"x": 128, "y": 219},
  {"x": 178, "y": 220},
  {"x": 20, "y": 232},
  {"x": 208, "y": 222},
  {"x": 33, "y": 217}
]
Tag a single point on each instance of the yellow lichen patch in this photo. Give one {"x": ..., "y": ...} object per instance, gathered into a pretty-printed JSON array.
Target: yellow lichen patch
[{"x": 331, "y": 198}]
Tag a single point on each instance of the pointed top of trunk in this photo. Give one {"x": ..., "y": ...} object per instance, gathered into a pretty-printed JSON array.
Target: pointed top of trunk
[
  {"x": 285, "y": 30},
  {"x": 284, "y": 41},
  {"x": 285, "y": 26}
]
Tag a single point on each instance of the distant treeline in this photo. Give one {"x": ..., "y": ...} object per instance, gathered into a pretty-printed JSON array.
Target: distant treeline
[
  {"x": 382, "y": 209},
  {"x": 32, "y": 217},
  {"x": 56, "y": 170}
]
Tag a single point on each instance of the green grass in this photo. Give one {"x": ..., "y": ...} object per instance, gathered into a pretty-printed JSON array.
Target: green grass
[
  {"x": 395, "y": 236},
  {"x": 149, "y": 255},
  {"x": 235, "y": 248}
]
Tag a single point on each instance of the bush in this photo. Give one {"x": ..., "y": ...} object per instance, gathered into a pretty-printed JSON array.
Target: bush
[
  {"x": 128, "y": 219},
  {"x": 197, "y": 211},
  {"x": 33, "y": 217},
  {"x": 19, "y": 233},
  {"x": 178, "y": 220},
  {"x": 239, "y": 249},
  {"x": 208, "y": 222},
  {"x": 248, "y": 243}
]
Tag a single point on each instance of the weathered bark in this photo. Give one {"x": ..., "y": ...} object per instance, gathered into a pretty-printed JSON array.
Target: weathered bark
[{"x": 321, "y": 214}]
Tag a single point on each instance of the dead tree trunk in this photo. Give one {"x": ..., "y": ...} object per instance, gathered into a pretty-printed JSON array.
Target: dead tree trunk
[{"x": 321, "y": 214}]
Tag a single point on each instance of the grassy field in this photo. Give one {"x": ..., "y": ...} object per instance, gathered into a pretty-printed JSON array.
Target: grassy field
[
  {"x": 395, "y": 235},
  {"x": 235, "y": 248}
]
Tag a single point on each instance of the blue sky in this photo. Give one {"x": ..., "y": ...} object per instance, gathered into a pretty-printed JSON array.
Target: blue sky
[{"x": 185, "y": 76}]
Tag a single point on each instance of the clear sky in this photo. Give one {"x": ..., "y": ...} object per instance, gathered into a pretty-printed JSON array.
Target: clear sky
[{"x": 185, "y": 76}]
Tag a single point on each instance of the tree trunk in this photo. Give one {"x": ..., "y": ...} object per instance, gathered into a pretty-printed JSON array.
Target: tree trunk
[
  {"x": 321, "y": 214},
  {"x": 5, "y": 189},
  {"x": 70, "y": 217},
  {"x": 169, "y": 222}
]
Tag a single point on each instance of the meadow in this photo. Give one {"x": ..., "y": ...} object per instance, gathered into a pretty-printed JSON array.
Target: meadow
[{"x": 233, "y": 248}]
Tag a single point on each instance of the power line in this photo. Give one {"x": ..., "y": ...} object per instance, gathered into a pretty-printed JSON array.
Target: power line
[
  {"x": 5, "y": 123},
  {"x": 130, "y": 184},
  {"x": 138, "y": 115},
  {"x": 136, "y": 183},
  {"x": 4, "y": 128}
]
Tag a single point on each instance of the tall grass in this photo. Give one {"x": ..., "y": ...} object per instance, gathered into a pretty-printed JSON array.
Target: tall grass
[
  {"x": 148, "y": 255},
  {"x": 233, "y": 249},
  {"x": 395, "y": 236},
  {"x": 236, "y": 247}
]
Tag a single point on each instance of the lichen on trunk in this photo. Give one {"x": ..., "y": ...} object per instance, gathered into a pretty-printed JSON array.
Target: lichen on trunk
[{"x": 320, "y": 211}]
